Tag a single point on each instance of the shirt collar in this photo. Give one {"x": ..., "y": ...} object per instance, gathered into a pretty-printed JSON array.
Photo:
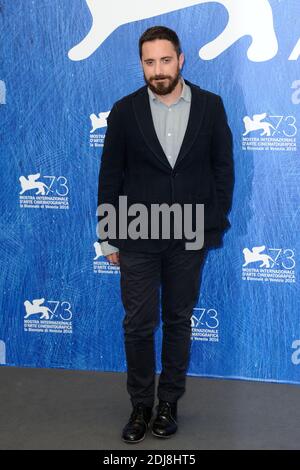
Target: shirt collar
[{"x": 185, "y": 93}]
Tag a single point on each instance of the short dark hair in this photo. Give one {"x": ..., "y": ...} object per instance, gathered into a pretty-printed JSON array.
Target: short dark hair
[{"x": 160, "y": 32}]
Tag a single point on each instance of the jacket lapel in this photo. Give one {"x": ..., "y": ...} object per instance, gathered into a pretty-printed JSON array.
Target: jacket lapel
[
  {"x": 198, "y": 104},
  {"x": 142, "y": 110},
  {"x": 144, "y": 119}
]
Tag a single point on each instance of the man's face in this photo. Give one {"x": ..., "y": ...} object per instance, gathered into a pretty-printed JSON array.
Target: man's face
[{"x": 161, "y": 66}]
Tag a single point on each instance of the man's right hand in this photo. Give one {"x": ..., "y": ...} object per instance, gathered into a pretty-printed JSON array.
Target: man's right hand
[{"x": 113, "y": 258}]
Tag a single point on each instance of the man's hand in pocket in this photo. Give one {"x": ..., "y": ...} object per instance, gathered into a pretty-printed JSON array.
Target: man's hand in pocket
[{"x": 113, "y": 258}]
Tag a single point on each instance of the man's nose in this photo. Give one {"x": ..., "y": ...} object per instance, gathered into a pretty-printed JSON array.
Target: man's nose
[{"x": 158, "y": 70}]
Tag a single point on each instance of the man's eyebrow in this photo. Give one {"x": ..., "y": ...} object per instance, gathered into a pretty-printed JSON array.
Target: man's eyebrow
[{"x": 165, "y": 57}]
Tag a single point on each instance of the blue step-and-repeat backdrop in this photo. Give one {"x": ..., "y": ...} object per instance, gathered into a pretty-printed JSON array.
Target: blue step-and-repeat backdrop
[{"x": 63, "y": 65}]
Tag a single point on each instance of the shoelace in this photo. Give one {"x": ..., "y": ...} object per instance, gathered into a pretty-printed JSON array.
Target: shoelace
[
  {"x": 164, "y": 409},
  {"x": 138, "y": 412}
]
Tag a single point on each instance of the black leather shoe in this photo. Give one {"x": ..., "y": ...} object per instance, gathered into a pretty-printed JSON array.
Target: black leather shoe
[
  {"x": 165, "y": 423},
  {"x": 137, "y": 426}
]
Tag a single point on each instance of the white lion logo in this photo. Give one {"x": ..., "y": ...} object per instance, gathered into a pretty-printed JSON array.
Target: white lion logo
[
  {"x": 99, "y": 121},
  {"x": 98, "y": 250},
  {"x": 35, "y": 307},
  {"x": 256, "y": 255},
  {"x": 257, "y": 124},
  {"x": 194, "y": 321},
  {"x": 31, "y": 183},
  {"x": 252, "y": 18}
]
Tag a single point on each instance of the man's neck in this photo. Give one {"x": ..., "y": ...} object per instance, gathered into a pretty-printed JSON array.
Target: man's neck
[{"x": 173, "y": 96}]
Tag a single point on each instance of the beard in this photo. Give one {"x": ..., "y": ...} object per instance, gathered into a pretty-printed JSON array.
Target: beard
[{"x": 163, "y": 87}]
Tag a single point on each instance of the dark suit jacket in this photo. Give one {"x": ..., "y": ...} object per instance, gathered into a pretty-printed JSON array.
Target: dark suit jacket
[{"x": 134, "y": 164}]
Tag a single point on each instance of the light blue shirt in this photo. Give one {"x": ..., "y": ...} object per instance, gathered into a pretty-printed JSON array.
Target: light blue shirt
[{"x": 170, "y": 123}]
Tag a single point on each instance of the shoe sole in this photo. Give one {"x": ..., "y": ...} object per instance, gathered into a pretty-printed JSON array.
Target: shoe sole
[
  {"x": 134, "y": 442},
  {"x": 162, "y": 436}
]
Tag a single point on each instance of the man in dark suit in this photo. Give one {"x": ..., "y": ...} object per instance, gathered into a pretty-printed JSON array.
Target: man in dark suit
[{"x": 168, "y": 142}]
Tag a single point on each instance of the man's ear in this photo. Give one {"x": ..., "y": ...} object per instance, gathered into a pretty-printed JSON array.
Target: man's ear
[{"x": 181, "y": 60}]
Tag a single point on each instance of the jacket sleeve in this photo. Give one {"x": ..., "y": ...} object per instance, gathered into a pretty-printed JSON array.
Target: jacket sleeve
[
  {"x": 113, "y": 159},
  {"x": 222, "y": 158}
]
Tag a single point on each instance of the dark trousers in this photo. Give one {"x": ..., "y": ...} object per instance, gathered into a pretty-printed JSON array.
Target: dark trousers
[{"x": 177, "y": 272}]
